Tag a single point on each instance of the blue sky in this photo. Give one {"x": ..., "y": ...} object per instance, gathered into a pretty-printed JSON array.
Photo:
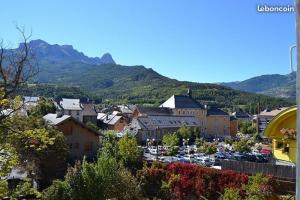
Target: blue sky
[{"x": 194, "y": 40}]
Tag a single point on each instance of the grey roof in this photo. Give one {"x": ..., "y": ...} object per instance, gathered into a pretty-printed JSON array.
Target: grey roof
[
  {"x": 151, "y": 122},
  {"x": 28, "y": 99},
  {"x": 101, "y": 116},
  {"x": 232, "y": 118},
  {"x": 240, "y": 114},
  {"x": 127, "y": 109},
  {"x": 216, "y": 111},
  {"x": 182, "y": 101},
  {"x": 89, "y": 110},
  {"x": 17, "y": 173},
  {"x": 154, "y": 110},
  {"x": 54, "y": 120},
  {"x": 110, "y": 119},
  {"x": 70, "y": 104}
]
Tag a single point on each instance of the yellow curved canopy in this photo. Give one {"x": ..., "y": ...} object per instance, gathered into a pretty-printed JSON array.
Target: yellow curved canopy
[{"x": 285, "y": 119}]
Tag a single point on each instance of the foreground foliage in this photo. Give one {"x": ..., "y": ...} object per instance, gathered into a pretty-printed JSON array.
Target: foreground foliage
[{"x": 104, "y": 179}]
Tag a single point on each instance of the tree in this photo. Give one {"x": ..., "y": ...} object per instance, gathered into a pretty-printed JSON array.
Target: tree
[
  {"x": 104, "y": 179},
  {"x": 247, "y": 128},
  {"x": 94, "y": 181},
  {"x": 184, "y": 131},
  {"x": 241, "y": 146},
  {"x": 37, "y": 146},
  {"x": 171, "y": 141},
  {"x": 92, "y": 126},
  {"x": 129, "y": 151},
  {"x": 43, "y": 107},
  {"x": 209, "y": 148},
  {"x": 110, "y": 144},
  {"x": 58, "y": 190},
  {"x": 16, "y": 68},
  {"x": 199, "y": 142},
  {"x": 260, "y": 187}
]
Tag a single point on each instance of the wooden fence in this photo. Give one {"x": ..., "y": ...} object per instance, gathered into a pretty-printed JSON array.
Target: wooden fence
[{"x": 279, "y": 171}]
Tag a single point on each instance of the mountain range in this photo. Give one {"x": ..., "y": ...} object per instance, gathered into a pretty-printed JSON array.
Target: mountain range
[
  {"x": 64, "y": 53},
  {"x": 272, "y": 85},
  {"x": 66, "y": 72}
]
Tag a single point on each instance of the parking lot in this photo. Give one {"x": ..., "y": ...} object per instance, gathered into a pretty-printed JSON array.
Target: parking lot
[{"x": 190, "y": 154}]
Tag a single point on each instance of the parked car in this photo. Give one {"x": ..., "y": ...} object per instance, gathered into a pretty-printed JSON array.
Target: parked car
[
  {"x": 239, "y": 157},
  {"x": 220, "y": 156},
  {"x": 182, "y": 160},
  {"x": 260, "y": 158},
  {"x": 154, "y": 152},
  {"x": 205, "y": 161}
]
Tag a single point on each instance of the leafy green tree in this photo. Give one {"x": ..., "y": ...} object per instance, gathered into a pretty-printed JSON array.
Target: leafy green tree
[
  {"x": 229, "y": 141},
  {"x": 260, "y": 187},
  {"x": 36, "y": 145},
  {"x": 247, "y": 128},
  {"x": 241, "y": 146},
  {"x": 171, "y": 141},
  {"x": 129, "y": 151},
  {"x": 110, "y": 144},
  {"x": 196, "y": 131},
  {"x": 94, "y": 181},
  {"x": 3, "y": 189},
  {"x": 92, "y": 126},
  {"x": 104, "y": 179},
  {"x": 25, "y": 188},
  {"x": 58, "y": 190},
  {"x": 184, "y": 132},
  {"x": 209, "y": 148},
  {"x": 199, "y": 142},
  {"x": 43, "y": 107}
]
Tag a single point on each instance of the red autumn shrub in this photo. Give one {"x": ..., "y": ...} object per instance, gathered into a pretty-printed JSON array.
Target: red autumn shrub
[{"x": 193, "y": 181}]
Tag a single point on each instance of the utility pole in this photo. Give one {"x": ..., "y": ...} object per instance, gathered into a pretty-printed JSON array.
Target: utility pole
[
  {"x": 298, "y": 99},
  {"x": 157, "y": 129}
]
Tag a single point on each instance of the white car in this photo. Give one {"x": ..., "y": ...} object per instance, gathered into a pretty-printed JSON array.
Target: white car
[{"x": 154, "y": 151}]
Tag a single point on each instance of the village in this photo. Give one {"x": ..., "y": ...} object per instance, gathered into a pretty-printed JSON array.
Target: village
[
  {"x": 85, "y": 124},
  {"x": 142, "y": 100}
]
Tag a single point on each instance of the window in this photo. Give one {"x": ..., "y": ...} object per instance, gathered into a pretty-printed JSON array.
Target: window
[
  {"x": 77, "y": 112},
  {"x": 279, "y": 145},
  {"x": 70, "y": 112}
]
